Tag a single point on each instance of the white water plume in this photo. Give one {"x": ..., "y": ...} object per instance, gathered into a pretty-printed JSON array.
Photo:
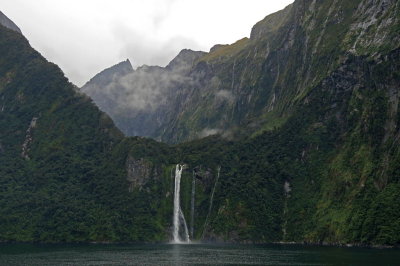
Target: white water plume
[{"x": 178, "y": 217}]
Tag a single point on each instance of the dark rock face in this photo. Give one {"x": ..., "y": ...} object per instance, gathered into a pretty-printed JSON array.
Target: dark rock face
[
  {"x": 139, "y": 171},
  {"x": 28, "y": 139},
  {"x": 6, "y": 22}
]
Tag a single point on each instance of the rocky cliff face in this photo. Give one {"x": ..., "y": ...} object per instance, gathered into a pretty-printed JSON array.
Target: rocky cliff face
[
  {"x": 255, "y": 83},
  {"x": 140, "y": 172}
]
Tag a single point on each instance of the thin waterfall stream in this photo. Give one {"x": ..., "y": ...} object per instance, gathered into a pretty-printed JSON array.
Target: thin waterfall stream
[
  {"x": 192, "y": 202},
  {"x": 178, "y": 217},
  {"x": 211, "y": 203}
]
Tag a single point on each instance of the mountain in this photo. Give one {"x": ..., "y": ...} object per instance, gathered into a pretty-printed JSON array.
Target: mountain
[
  {"x": 257, "y": 82},
  {"x": 141, "y": 101},
  {"x": 315, "y": 90},
  {"x": 6, "y": 22},
  {"x": 307, "y": 151},
  {"x": 61, "y": 179}
]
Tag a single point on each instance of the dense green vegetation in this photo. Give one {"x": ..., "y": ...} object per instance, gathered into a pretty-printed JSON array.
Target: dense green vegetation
[{"x": 70, "y": 188}]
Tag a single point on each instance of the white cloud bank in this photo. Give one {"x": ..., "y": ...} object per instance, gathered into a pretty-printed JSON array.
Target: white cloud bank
[{"x": 86, "y": 36}]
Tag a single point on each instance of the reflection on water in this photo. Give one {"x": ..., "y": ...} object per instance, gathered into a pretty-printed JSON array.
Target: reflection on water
[
  {"x": 192, "y": 254},
  {"x": 176, "y": 254}
]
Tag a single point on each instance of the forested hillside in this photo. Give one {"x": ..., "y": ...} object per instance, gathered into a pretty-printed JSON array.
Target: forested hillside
[{"x": 59, "y": 179}]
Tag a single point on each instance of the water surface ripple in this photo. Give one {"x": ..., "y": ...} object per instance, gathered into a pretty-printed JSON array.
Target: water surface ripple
[{"x": 196, "y": 254}]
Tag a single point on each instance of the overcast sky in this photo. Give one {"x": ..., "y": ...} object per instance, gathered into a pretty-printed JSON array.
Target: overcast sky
[{"x": 86, "y": 36}]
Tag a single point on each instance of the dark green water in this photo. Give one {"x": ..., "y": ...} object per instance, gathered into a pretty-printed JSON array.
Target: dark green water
[{"x": 195, "y": 254}]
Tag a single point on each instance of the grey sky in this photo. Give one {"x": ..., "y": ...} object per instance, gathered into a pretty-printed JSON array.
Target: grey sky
[{"x": 86, "y": 36}]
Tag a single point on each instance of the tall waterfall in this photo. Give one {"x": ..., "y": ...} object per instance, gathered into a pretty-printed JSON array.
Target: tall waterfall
[{"x": 178, "y": 217}]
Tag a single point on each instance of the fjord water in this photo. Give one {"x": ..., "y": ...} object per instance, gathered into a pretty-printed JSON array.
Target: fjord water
[{"x": 193, "y": 254}]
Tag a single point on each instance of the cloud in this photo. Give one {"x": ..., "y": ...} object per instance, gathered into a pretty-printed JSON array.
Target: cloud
[
  {"x": 225, "y": 95},
  {"x": 208, "y": 132},
  {"x": 145, "y": 89},
  {"x": 163, "y": 13},
  {"x": 85, "y": 37},
  {"x": 144, "y": 48}
]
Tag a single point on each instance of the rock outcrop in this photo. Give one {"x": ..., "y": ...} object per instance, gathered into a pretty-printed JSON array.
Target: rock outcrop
[
  {"x": 28, "y": 138},
  {"x": 138, "y": 172}
]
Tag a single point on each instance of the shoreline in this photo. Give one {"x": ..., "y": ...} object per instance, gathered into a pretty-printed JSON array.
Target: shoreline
[
  {"x": 345, "y": 245},
  {"x": 282, "y": 243}
]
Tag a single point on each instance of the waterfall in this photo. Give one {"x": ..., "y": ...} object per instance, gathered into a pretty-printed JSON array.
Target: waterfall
[
  {"x": 187, "y": 238},
  {"x": 178, "y": 217},
  {"x": 192, "y": 205},
  {"x": 211, "y": 203}
]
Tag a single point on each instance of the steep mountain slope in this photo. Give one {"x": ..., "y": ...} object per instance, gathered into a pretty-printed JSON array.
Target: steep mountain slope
[
  {"x": 141, "y": 101},
  {"x": 288, "y": 53},
  {"x": 327, "y": 175},
  {"x": 256, "y": 82},
  {"x": 58, "y": 176}
]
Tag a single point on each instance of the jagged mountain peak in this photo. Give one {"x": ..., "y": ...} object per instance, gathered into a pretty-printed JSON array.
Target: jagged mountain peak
[
  {"x": 8, "y": 23},
  {"x": 117, "y": 70},
  {"x": 185, "y": 59},
  {"x": 124, "y": 65}
]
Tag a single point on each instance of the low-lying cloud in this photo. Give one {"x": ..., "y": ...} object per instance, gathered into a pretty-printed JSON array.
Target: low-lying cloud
[
  {"x": 145, "y": 89},
  {"x": 225, "y": 95},
  {"x": 208, "y": 132},
  {"x": 85, "y": 37}
]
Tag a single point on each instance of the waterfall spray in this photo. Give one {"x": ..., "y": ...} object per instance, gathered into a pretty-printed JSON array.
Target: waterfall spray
[{"x": 178, "y": 214}]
